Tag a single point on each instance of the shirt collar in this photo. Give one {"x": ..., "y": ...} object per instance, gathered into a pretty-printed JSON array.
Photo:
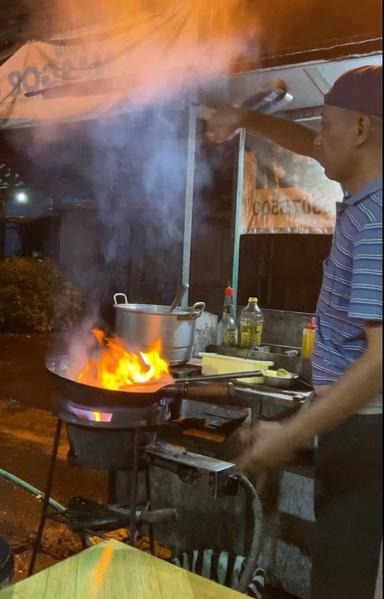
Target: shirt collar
[{"x": 372, "y": 187}]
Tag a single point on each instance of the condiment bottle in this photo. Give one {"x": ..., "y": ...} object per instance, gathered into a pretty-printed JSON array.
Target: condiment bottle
[
  {"x": 251, "y": 325},
  {"x": 227, "y": 329},
  {"x": 309, "y": 334}
]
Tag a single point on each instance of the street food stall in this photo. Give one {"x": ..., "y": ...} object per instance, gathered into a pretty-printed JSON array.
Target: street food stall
[{"x": 198, "y": 217}]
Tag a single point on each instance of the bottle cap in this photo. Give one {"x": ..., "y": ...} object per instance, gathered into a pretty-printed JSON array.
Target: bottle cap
[
  {"x": 252, "y": 299},
  {"x": 228, "y": 291},
  {"x": 313, "y": 324}
]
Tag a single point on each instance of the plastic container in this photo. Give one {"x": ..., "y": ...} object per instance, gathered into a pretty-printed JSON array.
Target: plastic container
[
  {"x": 218, "y": 364},
  {"x": 227, "y": 333},
  {"x": 308, "y": 341},
  {"x": 251, "y": 325}
]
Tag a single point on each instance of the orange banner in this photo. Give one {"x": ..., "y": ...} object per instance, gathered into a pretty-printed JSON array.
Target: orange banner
[{"x": 286, "y": 193}]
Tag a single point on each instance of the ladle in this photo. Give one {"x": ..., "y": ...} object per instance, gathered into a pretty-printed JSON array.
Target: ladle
[{"x": 179, "y": 296}]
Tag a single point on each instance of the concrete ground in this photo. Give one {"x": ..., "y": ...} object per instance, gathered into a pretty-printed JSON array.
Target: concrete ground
[{"x": 26, "y": 434}]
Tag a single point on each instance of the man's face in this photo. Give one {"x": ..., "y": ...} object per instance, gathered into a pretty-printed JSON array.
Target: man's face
[{"x": 335, "y": 142}]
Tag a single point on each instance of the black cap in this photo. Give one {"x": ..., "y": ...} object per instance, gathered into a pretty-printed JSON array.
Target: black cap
[{"x": 359, "y": 90}]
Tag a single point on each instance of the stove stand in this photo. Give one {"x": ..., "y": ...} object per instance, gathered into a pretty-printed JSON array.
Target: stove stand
[
  {"x": 127, "y": 453},
  {"x": 114, "y": 432},
  {"x": 47, "y": 495}
]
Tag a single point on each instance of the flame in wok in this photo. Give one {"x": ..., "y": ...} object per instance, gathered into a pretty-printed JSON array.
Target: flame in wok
[{"x": 116, "y": 368}]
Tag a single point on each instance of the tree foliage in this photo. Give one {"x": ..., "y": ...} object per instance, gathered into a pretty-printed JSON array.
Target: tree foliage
[{"x": 35, "y": 297}]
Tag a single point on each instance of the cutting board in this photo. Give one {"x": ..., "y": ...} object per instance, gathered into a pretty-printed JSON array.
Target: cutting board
[{"x": 112, "y": 570}]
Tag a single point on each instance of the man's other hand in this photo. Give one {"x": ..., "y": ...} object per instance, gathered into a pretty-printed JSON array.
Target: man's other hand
[{"x": 267, "y": 445}]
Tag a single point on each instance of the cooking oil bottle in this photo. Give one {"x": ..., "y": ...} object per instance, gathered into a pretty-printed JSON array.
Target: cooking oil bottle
[
  {"x": 227, "y": 329},
  {"x": 251, "y": 325},
  {"x": 308, "y": 342}
]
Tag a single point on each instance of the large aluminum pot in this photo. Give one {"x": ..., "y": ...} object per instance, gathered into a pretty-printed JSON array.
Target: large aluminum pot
[{"x": 141, "y": 324}]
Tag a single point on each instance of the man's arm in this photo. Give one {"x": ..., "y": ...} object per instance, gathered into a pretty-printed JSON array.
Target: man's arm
[
  {"x": 358, "y": 384},
  {"x": 295, "y": 137}
]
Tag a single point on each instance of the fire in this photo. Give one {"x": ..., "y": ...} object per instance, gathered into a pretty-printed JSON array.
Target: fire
[{"x": 116, "y": 368}]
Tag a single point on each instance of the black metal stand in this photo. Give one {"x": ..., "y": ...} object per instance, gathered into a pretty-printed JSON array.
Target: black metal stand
[
  {"x": 135, "y": 473},
  {"x": 148, "y": 493},
  {"x": 112, "y": 494},
  {"x": 47, "y": 494}
]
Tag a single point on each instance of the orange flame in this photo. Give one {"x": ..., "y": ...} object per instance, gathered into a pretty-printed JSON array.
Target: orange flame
[{"x": 117, "y": 368}]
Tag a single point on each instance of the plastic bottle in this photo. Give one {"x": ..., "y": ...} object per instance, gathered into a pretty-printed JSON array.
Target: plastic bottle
[
  {"x": 251, "y": 325},
  {"x": 227, "y": 329},
  {"x": 309, "y": 334}
]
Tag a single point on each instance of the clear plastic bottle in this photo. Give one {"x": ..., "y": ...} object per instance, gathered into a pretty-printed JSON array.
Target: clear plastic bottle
[
  {"x": 308, "y": 342},
  {"x": 226, "y": 329},
  {"x": 251, "y": 325}
]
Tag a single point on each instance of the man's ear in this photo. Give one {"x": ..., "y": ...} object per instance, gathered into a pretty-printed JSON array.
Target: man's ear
[{"x": 363, "y": 128}]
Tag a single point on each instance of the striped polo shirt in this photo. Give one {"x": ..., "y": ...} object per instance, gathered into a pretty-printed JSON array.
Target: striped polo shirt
[{"x": 351, "y": 292}]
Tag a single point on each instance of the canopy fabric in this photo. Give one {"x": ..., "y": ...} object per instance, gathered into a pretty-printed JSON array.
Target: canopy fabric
[
  {"x": 148, "y": 49},
  {"x": 172, "y": 46}
]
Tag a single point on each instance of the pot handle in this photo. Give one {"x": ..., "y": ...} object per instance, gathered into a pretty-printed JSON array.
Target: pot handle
[
  {"x": 116, "y": 296},
  {"x": 195, "y": 312}
]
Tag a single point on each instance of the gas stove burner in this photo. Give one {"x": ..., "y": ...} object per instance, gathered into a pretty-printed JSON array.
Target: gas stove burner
[
  {"x": 128, "y": 417},
  {"x": 103, "y": 437}
]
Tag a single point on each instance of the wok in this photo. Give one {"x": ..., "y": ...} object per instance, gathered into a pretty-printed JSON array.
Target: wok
[{"x": 140, "y": 395}]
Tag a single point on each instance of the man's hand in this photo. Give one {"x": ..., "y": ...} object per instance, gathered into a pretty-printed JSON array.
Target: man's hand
[
  {"x": 227, "y": 120},
  {"x": 224, "y": 123},
  {"x": 269, "y": 445}
]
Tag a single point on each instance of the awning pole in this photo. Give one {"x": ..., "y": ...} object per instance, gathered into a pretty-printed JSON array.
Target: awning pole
[
  {"x": 189, "y": 189},
  {"x": 237, "y": 214}
]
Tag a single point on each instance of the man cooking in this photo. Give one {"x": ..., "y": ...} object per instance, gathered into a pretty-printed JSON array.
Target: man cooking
[{"x": 346, "y": 413}]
